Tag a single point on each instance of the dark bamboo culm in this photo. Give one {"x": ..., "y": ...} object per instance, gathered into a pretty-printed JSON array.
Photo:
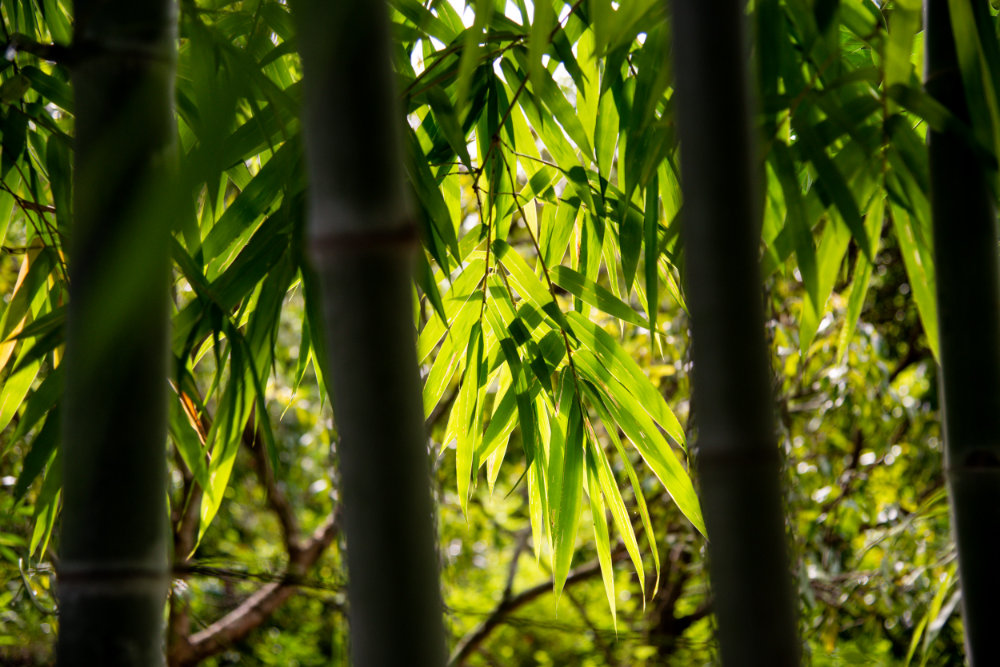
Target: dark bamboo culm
[
  {"x": 737, "y": 459},
  {"x": 965, "y": 250},
  {"x": 362, "y": 243},
  {"x": 113, "y": 551}
]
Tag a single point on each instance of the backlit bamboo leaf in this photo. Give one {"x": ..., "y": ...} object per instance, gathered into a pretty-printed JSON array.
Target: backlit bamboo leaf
[
  {"x": 527, "y": 283},
  {"x": 557, "y": 104},
  {"x": 599, "y": 472},
  {"x": 919, "y": 270},
  {"x": 658, "y": 456},
  {"x": 183, "y": 416},
  {"x": 830, "y": 254},
  {"x": 501, "y": 424},
  {"x": 26, "y": 299},
  {"x": 541, "y": 26},
  {"x": 650, "y": 223},
  {"x": 466, "y": 412},
  {"x": 602, "y": 541},
  {"x": 862, "y": 278},
  {"x": 16, "y": 386},
  {"x": 570, "y": 494},
  {"x": 796, "y": 217},
  {"x": 40, "y": 403},
  {"x": 592, "y": 293},
  {"x": 46, "y": 507},
  {"x": 615, "y": 366},
  {"x": 234, "y": 227},
  {"x": 557, "y": 227}
]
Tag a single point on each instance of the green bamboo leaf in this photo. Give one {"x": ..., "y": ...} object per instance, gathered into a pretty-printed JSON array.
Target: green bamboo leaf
[
  {"x": 912, "y": 149},
  {"x": 976, "y": 81},
  {"x": 240, "y": 221},
  {"x": 569, "y": 493},
  {"x": 917, "y": 259},
  {"x": 186, "y": 439},
  {"x": 904, "y": 23},
  {"x": 655, "y": 451},
  {"x": 459, "y": 301},
  {"x": 557, "y": 104},
  {"x": 41, "y": 401},
  {"x": 266, "y": 248},
  {"x": 918, "y": 102},
  {"x": 613, "y": 366},
  {"x": 542, "y": 23},
  {"x": 425, "y": 20},
  {"x": 15, "y": 128},
  {"x": 464, "y": 425},
  {"x": 50, "y": 87},
  {"x": 502, "y": 422},
  {"x": 57, "y": 163},
  {"x": 16, "y": 387},
  {"x": 588, "y": 84},
  {"x": 57, "y": 22},
  {"x": 472, "y": 49},
  {"x": 449, "y": 124},
  {"x": 830, "y": 255},
  {"x": 862, "y": 278},
  {"x": 36, "y": 351},
  {"x": 599, "y": 469},
  {"x": 538, "y": 505},
  {"x": 545, "y": 125},
  {"x": 623, "y": 459},
  {"x": 796, "y": 217},
  {"x": 602, "y": 541},
  {"x": 833, "y": 185},
  {"x": 42, "y": 449},
  {"x": 46, "y": 507},
  {"x": 650, "y": 222},
  {"x": 630, "y": 235},
  {"x": 592, "y": 293},
  {"x": 606, "y": 135},
  {"x": 449, "y": 356},
  {"x": 527, "y": 283},
  {"x": 440, "y": 228},
  {"x": 557, "y": 228},
  {"x": 225, "y": 436}
]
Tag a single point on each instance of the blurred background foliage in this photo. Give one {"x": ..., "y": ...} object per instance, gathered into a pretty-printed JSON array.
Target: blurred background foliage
[{"x": 587, "y": 145}]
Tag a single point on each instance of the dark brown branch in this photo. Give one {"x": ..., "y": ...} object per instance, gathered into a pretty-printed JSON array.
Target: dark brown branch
[
  {"x": 185, "y": 521},
  {"x": 257, "y": 608},
  {"x": 477, "y": 636},
  {"x": 276, "y": 497},
  {"x": 685, "y": 622},
  {"x": 56, "y": 53}
]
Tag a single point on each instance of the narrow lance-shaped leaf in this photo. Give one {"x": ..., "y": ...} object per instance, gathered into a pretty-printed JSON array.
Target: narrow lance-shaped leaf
[
  {"x": 601, "y": 538},
  {"x": 570, "y": 496}
]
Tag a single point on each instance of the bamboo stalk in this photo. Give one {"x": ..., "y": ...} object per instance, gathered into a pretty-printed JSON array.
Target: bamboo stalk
[
  {"x": 362, "y": 242},
  {"x": 968, "y": 296},
  {"x": 737, "y": 459},
  {"x": 113, "y": 572}
]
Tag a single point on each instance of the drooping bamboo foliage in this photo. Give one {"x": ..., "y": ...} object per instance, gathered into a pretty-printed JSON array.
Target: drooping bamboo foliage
[
  {"x": 362, "y": 240},
  {"x": 965, "y": 249},
  {"x": 737, "y": 460},
  {"x": 113, "y": 571}
]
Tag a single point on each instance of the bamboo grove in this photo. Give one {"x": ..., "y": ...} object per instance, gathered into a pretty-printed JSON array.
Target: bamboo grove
[{"x": 542, "y": 159}]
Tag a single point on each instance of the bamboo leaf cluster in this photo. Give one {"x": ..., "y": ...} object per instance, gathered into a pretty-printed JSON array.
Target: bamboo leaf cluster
[{"x": 541, "y": 156}]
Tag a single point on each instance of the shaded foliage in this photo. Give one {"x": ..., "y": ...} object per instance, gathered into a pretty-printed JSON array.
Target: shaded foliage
[{"x": 552, "y": 330}]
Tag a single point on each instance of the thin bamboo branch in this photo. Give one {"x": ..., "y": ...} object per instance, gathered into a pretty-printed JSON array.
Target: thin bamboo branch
[
  {"x": 259, "y": 606},
  {"x": 470, "y": 642}
]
